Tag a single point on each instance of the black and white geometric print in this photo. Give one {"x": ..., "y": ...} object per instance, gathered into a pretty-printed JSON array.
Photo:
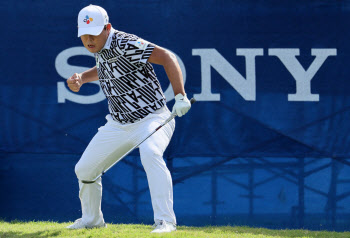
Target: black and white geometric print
[{"x": 127, "y": 79}]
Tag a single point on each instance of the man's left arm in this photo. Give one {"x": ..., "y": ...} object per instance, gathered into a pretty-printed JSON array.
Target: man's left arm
[{"x": 171, "y": 66}]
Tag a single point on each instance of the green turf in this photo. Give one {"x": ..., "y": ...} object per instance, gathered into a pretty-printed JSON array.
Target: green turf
[{"x": 54, "y": 229}]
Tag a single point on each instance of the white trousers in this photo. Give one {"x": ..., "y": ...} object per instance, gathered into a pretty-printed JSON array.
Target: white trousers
[{"x": 111, "y": 142}]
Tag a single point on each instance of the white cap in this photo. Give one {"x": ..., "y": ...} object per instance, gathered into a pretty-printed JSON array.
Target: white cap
[{"x": 91, "y": 20}]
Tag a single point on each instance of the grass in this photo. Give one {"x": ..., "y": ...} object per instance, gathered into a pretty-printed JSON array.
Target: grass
[{"x": 54, "y": 229}]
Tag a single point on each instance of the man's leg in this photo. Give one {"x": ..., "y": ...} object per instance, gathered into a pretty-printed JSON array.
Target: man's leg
[
  {"x": 108, "y": 144},
  {"x": 90, "y": 197},
  {"x": 158, "y": 175}
]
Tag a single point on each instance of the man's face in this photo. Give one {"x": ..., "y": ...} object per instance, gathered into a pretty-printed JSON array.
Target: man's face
[{"x": 95, "y": 43}]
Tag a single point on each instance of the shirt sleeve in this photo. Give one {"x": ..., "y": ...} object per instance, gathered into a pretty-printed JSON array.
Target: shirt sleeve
[{"x": 138, "y": 50}]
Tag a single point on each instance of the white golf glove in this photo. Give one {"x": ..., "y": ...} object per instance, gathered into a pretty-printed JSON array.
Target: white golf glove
[{"x": 182, "y": 105}]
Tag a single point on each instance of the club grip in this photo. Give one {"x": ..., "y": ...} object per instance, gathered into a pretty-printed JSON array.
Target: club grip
[{"x": 192, "y": 100}]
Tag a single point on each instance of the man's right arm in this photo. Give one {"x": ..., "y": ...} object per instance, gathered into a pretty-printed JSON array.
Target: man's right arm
[{"x": 77, "y": 80}]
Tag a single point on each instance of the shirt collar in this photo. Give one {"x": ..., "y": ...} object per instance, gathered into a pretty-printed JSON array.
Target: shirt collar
[{"x": 109, "y": 39}]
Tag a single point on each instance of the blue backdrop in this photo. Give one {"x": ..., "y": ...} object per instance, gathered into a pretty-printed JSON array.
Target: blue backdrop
[{"x": 265, "y": 145}]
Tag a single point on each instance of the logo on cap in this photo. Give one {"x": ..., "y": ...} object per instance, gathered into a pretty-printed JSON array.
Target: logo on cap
[{"x": 88, "y": 19}]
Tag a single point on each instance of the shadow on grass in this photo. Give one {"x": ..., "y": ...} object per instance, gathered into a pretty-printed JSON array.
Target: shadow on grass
[{"x": 51, "y": 233}]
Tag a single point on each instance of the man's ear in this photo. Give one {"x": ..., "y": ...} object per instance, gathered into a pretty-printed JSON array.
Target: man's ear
[{"x": 109, "y": 26}]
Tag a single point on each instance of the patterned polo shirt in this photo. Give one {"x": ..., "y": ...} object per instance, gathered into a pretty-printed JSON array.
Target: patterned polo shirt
[{"x": 127, "y": 79}]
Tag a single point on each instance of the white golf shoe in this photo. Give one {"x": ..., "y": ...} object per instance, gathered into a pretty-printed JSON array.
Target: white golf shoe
[
  {"x": 164, "y": 226},
  {"x": 79, "y": 224}
]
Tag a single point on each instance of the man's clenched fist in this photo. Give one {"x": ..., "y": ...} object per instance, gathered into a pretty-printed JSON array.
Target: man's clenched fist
[{"x": 75, "y": 82}]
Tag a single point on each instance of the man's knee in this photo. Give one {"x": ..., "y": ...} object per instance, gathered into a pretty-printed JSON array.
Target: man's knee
[{"x": 83, "y": 172}]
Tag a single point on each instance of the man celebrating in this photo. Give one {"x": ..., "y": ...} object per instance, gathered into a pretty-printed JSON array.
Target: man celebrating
[{"x": 137, "y": 106}]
